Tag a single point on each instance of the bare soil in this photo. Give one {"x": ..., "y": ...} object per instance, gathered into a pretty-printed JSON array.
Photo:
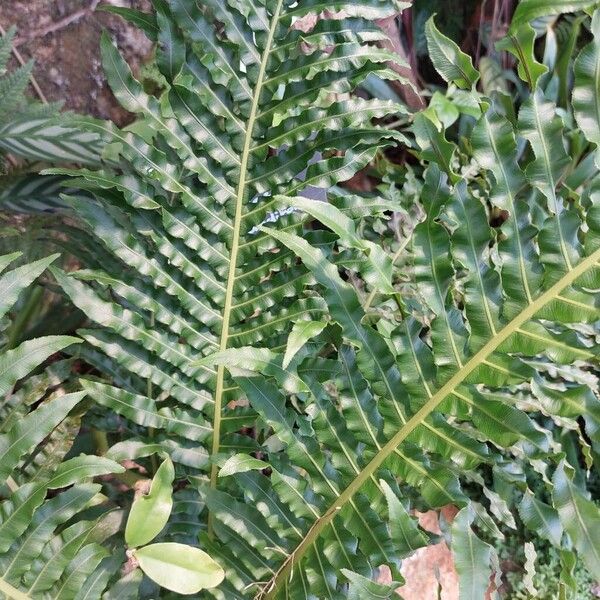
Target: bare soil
[{"x": 67, "y": 60}]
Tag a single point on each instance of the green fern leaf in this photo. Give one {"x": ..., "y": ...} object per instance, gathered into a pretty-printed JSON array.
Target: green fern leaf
[
  {"x": 533, "y": 9},
  {"x": 587, "y": 82},
  {"x": 418, "y": 399},
  {"x": 370, "y": 380}
]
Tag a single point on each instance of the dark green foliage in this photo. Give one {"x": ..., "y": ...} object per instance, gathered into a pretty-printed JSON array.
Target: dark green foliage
[{"x": 431, "y": 342}]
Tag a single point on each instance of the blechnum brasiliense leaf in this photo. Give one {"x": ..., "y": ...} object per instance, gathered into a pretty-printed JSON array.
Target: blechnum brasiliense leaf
[
  {"x": 256, "y": 105},
  {"x": 43, "y": 552}
]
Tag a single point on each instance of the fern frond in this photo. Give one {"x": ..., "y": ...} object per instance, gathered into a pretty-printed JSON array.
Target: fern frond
[{"x": 217, "y": 312}]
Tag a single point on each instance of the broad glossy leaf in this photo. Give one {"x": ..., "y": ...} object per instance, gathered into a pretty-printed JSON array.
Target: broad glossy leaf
[{"x": 179, "y": 568}]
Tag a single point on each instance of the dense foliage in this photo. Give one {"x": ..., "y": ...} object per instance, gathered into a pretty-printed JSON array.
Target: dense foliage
[{"x": 296, "y": 366}]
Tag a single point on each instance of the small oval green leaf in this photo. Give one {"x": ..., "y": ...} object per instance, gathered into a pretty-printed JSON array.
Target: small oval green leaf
[
  {"x": 150, "y": 513},
  {"x": 180, "y": 568}
]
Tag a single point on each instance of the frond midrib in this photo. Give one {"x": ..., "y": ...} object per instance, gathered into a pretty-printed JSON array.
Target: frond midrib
[
  {"x": 235, "y": 244},
  {"x": 12, "y": 592},
  {"x": 271, "y": 588}
]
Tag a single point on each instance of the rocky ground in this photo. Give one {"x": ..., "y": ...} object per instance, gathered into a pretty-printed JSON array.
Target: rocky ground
[{"x": 62, "y": 36}]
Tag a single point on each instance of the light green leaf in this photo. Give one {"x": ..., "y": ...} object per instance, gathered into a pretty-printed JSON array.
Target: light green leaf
[
  {"x": 528, "y": 10},
  {"x": 586, "y": 91},
  {"x": 15, "y": 281},
  {"x": 363, "y": 588},
  {"x": 444, "y": 108},
  {"x": 6, "y": 259},
  {"x": 32, "y": 429},
  {"x": 16, "y": 363},
  {"x": 247, "y": 360},
  {"x": 150, "y": 512},
  {"x": 28, "y": 497},
  {"x": 449, "y": 60},
  {"x": 240, "y": 463},
  {"x": 82, "y": 467},
  {"x": 301, "y": 332},
  {"x": 180, "y": 568}
]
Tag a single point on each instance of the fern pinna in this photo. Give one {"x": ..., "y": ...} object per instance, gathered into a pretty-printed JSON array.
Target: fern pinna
[{"x": 311, "y": 387}]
